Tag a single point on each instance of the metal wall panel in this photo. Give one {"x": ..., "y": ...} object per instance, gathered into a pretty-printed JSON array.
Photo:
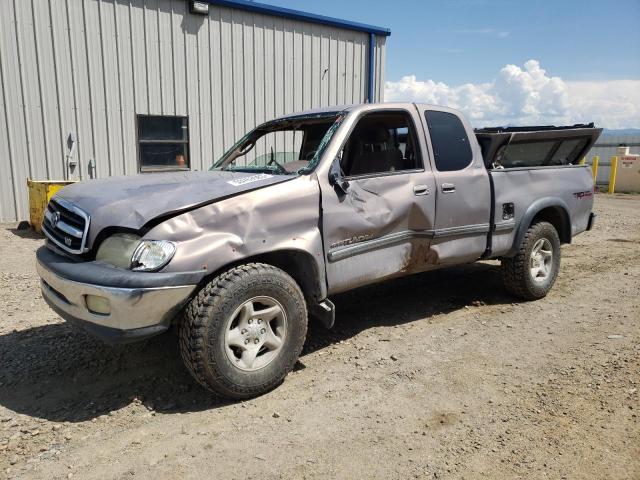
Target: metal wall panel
[
  {"x": 8, "y": 207},
  {"x": 87, "y": 67},
  {"x": 18, "y": 158}
]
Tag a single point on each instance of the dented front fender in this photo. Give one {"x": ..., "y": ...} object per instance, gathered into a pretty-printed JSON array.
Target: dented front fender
[{"x": 283, "y": 217}]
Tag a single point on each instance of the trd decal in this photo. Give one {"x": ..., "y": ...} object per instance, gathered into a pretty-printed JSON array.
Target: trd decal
[{"x": 582, "y": 195}]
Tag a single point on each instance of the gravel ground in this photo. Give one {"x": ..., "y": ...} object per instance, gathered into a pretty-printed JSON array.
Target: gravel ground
[{"x": 439, "y": 375}]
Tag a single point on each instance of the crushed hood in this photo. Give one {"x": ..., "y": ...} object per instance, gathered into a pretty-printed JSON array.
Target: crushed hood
[{"x": 133, "y": 201}]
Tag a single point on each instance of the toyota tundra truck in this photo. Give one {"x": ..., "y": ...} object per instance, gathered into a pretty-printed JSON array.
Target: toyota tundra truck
[{"x": 301, "y": 208}]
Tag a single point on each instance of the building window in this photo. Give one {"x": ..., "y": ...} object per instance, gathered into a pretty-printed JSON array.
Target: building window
[{"x": 163, "y": 143}]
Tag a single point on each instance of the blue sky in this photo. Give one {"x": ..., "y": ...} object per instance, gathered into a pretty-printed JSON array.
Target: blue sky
[{"x": 508, "y": 61}]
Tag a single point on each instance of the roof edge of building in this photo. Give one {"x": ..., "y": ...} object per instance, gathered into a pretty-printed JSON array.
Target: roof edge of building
[{"x": 300, "y": 15}]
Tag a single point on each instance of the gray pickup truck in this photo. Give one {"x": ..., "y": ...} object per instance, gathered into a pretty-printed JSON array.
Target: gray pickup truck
[{"x": 302, "y": 208}]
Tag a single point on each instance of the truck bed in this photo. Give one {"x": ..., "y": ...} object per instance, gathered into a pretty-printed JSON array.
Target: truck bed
[{"x": 530, "y": 166}]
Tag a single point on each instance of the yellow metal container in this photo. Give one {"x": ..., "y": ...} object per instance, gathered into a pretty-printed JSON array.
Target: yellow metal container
[{"x": 40, "y": 192}]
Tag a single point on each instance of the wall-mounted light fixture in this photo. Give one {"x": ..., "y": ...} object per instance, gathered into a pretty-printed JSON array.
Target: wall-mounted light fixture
[{"x": 199, "y": 8}]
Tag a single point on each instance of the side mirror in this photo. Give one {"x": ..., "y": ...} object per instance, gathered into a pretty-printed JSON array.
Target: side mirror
[{"x": 336, "y": 180}]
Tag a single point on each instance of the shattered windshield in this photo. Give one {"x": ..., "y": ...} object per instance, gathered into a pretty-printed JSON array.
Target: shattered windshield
[{"x": 287, "y": 146}]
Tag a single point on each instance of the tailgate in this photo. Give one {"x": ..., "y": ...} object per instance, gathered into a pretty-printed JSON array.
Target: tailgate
[{"x": 543, "y": 146}]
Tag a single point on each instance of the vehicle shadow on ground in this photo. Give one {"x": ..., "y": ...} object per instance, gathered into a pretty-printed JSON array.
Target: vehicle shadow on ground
[
  {"x": 411, "y": 298},
  {"x": 59, "y": 373},
  {"x": 26, "y": 233}
]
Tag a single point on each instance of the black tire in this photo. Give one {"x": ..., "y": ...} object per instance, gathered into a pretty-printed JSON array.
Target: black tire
[
  {"x": 206, "y": 317},
  {"x": 516, "y": 271}
]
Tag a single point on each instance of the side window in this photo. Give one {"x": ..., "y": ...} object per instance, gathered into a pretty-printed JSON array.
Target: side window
[
  {"x": 525, "y": 154},
  {"x": 381, "y": 142},
  {"x": 567, "y": 151},
  {"x": 451, "y": 149},
  {"x": 163, "y": 143},
  {"x": 540, "y": 153}
]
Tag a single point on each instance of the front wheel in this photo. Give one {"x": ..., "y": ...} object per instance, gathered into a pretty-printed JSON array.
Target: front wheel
[
  {"x": 531, "y": 273},
  {"x": 244, "y": 331}
]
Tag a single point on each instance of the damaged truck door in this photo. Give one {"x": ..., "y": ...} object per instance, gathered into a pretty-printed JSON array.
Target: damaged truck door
[{"x": 382, "y": 223}]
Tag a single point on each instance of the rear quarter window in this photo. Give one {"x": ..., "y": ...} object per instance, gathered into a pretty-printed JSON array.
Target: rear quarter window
[{"x": 451, "y": 149}]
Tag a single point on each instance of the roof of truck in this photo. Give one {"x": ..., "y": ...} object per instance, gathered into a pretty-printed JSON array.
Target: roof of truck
[{"x": 364, "y": 106}]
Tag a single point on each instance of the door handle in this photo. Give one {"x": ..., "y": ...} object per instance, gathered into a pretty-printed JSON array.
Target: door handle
[
  {"x": 421, "y": 190},
  {"x": 448, "y": 187}
]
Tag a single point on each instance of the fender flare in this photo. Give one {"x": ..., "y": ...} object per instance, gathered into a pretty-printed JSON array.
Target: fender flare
[
  {"x": 534, "y": 209},
  {"x": 303, "y": 266}
]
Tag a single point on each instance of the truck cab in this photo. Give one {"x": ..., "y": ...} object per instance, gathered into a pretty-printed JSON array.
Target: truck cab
[{"x": 301, "y": 208}]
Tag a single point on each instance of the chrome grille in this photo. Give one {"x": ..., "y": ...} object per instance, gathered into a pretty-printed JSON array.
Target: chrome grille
[{"x": 66, "y": 225}]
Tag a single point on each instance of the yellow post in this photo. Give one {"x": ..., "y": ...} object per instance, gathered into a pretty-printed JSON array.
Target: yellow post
[
  {"x": 612, "y": 174},
  {"x": 594, "y": 167},
  {"x": 583, "y": 161}
]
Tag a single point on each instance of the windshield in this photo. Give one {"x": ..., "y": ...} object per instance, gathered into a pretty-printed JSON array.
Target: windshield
[{"x": 289, "y": 146}]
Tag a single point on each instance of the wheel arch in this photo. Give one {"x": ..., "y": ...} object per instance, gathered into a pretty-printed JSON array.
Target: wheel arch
[
  {"x": 552, "y": 210},
  {"x": 299, "y": 264}
]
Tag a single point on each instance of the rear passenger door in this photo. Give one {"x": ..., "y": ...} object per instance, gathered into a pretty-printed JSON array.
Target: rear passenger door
[{"x": 463, "y": 193}]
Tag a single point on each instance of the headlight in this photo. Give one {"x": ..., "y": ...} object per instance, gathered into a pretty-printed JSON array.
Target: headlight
[
  {"x": 125, "y": 250},
  {"x": 118, "y": 249},
  {"x": 152, "y": 255}
]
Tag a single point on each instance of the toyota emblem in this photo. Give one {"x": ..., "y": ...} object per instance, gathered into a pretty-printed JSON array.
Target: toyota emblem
[{"x": 55, "y": 218}]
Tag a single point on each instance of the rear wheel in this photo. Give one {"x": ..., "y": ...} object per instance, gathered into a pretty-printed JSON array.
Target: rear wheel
[
  {"x": 244, "y": 331},
  {"x": 531, "y": 273}
]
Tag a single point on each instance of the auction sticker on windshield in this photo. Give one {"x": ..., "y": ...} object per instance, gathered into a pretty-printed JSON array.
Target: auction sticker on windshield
[{"x": 253, "y": 178}]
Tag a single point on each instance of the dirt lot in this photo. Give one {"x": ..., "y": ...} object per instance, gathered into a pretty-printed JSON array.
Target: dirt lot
[{"x": 439, "y": 375}]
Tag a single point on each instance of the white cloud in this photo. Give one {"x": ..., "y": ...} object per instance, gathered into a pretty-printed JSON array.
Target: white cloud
[
  {"x": 529, "y": 95},
  {"x": 611, "y": 104}
]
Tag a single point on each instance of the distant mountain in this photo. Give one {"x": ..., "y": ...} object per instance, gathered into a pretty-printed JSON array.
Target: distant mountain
[{"x": 622, "y": 131}]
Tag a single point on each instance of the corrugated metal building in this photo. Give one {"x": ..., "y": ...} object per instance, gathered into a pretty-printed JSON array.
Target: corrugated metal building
[
  {"x": 607, "y": 147},
  {"x": 112, "y": 87}
]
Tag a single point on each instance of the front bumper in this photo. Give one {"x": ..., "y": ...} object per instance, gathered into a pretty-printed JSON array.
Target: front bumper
[
  {"x": 592, "y": 219},
  {"x": 141, "y": 304}
]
